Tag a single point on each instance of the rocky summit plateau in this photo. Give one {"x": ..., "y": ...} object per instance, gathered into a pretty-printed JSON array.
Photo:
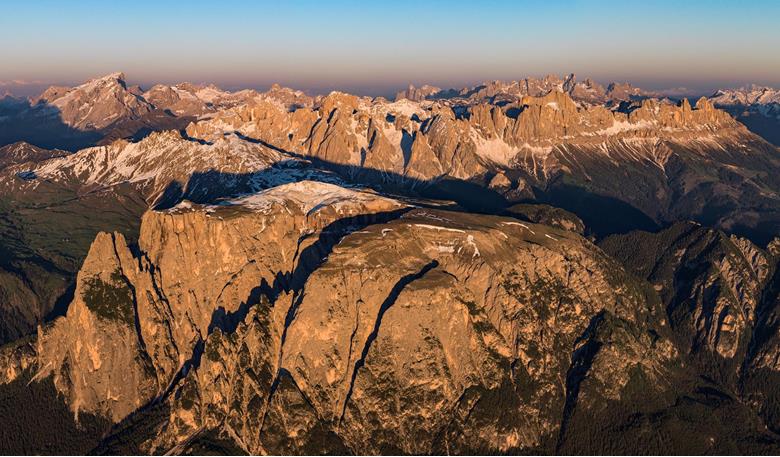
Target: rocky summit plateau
[{"x": 540, "y": 266}]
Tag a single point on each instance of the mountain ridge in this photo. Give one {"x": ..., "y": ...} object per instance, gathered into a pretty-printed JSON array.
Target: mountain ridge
[{"x": 542, "y": 266}]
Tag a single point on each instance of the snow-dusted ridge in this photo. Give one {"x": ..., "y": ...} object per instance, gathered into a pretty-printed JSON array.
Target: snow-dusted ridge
[{"x": 307, "y": 196}]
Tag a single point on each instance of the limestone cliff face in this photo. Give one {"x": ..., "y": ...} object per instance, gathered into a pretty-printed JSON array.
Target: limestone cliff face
[
  {"x": 96, "y": 354},
  {"x": 405, "y": 327},
  {"x": 24, "y": 153},
  {"x": 660, "y": 161},
  {"x": 148, "y": 310},
  {"x": 762, "y": 368},
  {"x": 663, "y": 161},
  {"x": 266, "y": 303},
  {"x": 311, "y": 317},
  {"x": 347, "y": 130},
  {"x": 16, "y": 358}
]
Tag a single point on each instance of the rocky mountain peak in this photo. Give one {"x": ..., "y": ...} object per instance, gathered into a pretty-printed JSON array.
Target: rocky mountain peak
[
  {"x": 345, "y": 274},
  {"x": 95, "y": 104},
  {"x": 748, "y": 95},
  {"x": 50, "y": 94},
  {"x": 756, "y": 106},
  {"x": 704, "y": 104},
  {"x": 417, "y": 94},
  {"x": 569, "y": 82}
]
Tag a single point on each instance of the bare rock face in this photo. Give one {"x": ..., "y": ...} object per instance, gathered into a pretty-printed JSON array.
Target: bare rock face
[
  {"x": 312, "y": 317},
  {"x": 96, "y": 354},
  {"x": 266, "y": 303},
  {"x": 194, "y": 100},
  {"x": 181, "y": 99},
  {"x": 536, "y": 134},
  {"x": 588, "y": 90},
  {"x": 650, "y": 161},
  {"x": 656, "y": 160},
  {"x": 106, "y": 109},
  {"x": 50, "y": 94},
  {"x": 16, "y": 358},
  {"x": 395, "y": 386},
  {"x": 499, "y": 182},
  {"x": 96, "y": 103},
  {"x": 132, "y": 308},
  {"x": 97, "y": 112},
  {"x": 489, "y": 135},
  {"x": 157, "y": 164},
  {"x": 24, "y": 153},
  {"x": 57, "y": 202},
  {"x": 773, "y": 247},
  {"x": 541, "y": 128},
  {"x": 417, "y": 94},
  {"x": 623, "y": 91}
]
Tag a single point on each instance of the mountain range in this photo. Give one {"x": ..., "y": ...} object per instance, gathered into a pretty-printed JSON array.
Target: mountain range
[{"x": 537, "y": 266}]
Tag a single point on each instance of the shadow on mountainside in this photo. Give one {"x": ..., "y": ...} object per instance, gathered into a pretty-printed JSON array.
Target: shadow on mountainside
[
  {"x": 43, "y": 219},
  {"x": 42, "y": 125},
  {"x": 142, "y": 424},
  {"x": 602, "y": 215},
  {"x": 470, "y": 195},
  {"x": 767, "y": 127},
  {"x": 44, "y": 237},
  {"x": 307, "y": 261},
  {"x": 35, "y": 420},
  {"x": 204, "y": 187}
]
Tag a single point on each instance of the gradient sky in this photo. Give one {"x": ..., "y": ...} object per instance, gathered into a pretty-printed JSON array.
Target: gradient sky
[{"x": 378, "y": 47}]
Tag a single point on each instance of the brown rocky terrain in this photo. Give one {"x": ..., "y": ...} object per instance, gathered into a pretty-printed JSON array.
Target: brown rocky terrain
[
  {"x": 445, "y": 273},
  {"x": 416, "y": 94},
  {"x": 587, "y": 91},
  {"x": 652, "y": 160},
  {"x": 106, "y": 109},
  {"x": 291, "y": 296},
  {"x": 21, "y": 153},
  {"x": 108, "y": 188},
  {"x": 96, "y": 103},
  {"x": 310, "y": 317},
  {"x": 638, "y": 166}
]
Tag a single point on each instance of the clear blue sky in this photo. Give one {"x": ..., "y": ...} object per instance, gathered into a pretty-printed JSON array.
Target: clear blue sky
[{"x": 373, "y": 47}]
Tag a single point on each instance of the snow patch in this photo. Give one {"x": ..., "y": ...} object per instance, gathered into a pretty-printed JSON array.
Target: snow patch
[
  {"x": 519, "y": 224},
  {"x": 624, "y": 126},
  {"x": 470, "y": 241},
  {"x": 435, "y": 227},
  {"x": 310, "y": 197}
]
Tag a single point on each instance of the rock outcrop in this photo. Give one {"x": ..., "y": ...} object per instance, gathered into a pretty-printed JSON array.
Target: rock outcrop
[
  {"x": 97, "y": 103},
  {"x": 659, "y": 160},
  {"x": 313, "y": 314},
  {"x": 417, "y": 94},
  {"x": 24, "y": 153}
]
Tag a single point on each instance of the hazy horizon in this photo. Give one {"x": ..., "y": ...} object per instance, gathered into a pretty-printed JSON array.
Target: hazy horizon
[{"x": 379, "y": 49}]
